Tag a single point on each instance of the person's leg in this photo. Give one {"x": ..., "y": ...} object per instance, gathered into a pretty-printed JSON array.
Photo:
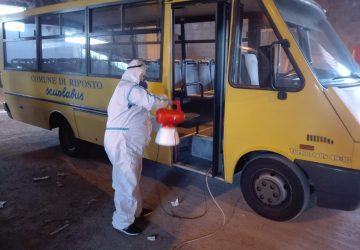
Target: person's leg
[
  {"x": 125, "y": 183},
  {"x": 137, "y": 193}
]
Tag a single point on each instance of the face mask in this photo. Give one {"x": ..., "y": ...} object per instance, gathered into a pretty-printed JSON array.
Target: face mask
[{"x": 143, "y": 84}]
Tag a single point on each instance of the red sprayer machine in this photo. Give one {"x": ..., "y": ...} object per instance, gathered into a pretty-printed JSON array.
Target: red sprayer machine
[{"x": 168, "y": 119}]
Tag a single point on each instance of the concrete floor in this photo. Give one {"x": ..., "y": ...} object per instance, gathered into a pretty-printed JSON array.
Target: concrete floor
[{"x": 78, "y": 195}]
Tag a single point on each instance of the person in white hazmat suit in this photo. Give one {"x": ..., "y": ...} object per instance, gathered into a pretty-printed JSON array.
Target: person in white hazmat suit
[{"x": 127, "y": 133}]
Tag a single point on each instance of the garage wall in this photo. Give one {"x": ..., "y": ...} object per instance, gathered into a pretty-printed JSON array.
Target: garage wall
[{"x": 345, "y": 17}]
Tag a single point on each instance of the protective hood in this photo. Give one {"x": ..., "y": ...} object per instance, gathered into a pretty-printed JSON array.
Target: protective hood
[
  {"x": 135, "y": 70},
  {"x": 346, "y": 102}
]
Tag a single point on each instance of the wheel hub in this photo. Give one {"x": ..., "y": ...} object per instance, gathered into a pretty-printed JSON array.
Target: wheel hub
[{"x": 270, "y": 189}]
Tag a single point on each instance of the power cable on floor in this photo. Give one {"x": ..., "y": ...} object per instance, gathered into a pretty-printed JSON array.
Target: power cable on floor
[
  {"x": 194, "y": 217},
  {"x": 214, "y": 232},
  {"x": 172, "y": 214}
]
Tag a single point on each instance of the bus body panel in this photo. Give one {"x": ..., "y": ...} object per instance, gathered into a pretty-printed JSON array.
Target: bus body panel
[
  {"x": 309, "y": 76},
  {"x": 90, "y": 126},
  {"x": 282, "y": 126},
  {"x": 37, "y": 112},
  {"x": 346, "y": 102},
  {"x": 167, "y": 50},
  {"x": 32, "y": 97}
]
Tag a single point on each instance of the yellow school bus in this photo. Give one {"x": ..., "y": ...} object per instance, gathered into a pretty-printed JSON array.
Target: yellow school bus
[{"x": 268, "y": 88}]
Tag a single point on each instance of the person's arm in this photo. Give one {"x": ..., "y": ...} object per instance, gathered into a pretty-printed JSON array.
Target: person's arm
[{"x": 141, "y": 97}]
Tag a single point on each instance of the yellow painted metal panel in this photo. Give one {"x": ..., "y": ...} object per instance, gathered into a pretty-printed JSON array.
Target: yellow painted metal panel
[
  {"x": 153, "y": 151},
  {"x": 255, "y": 120},
  {"x": 73, "y": 90},
  {"x": 167, "y": 49},
  {"x": 346, "y": 102},
  {"x": 37, "y": 112},
  {"x": 68, "y": 91},
  {"x": 90, "y": 126}
]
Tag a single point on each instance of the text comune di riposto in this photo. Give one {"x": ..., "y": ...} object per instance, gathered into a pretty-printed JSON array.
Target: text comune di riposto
[{"x": 85, "y": 84}]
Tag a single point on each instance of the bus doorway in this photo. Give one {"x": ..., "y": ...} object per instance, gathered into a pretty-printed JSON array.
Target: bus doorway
[{"x": 199, "y": 34}]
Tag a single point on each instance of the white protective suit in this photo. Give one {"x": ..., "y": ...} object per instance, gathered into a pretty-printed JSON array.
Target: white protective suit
[{"x": 127, "y": 133}]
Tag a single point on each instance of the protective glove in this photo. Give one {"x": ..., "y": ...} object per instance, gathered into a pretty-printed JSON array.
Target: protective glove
[{"x": 166, "y": 99}]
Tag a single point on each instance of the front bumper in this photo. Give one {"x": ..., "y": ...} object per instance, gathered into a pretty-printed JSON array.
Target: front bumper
[{"x": 335, "y": 187}]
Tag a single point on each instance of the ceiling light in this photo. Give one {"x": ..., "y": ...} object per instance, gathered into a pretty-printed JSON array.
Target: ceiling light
[{"x": 10, "y": 9}]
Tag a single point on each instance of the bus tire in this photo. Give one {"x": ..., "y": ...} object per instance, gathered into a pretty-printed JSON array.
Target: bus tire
[
  {"x": 71, "y": 145},
  {"x": 275, "y": 187}
]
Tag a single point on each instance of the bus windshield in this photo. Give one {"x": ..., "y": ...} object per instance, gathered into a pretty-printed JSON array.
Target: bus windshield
[{"x": 328, "y": 57}]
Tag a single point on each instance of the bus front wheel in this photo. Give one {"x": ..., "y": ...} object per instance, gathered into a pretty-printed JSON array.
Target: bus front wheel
[
  {"x": 275, "y": 187},
  {"x": 69, "y": 143}
]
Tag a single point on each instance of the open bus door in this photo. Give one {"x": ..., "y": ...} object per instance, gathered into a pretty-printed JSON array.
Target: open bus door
[{"x": 199, "y": 56}]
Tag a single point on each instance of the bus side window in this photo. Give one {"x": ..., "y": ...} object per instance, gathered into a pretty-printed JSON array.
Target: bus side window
[
  {"x": 20, "y": 34},
  {"x": 284, "y": 75},
  {"x": 255, "y": 60},
  {"x": 134, "y": 33},
  {"x": 63, "y": 42}
]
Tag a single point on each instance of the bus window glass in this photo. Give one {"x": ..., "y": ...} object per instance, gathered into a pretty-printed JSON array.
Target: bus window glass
[
  {"x": 177, "y": 38},
  {"x": 106, "y": 19},
  {"x": 20, "y": 29},
  {"x": 325, "y": 53},
  {"x": 177, "y": 32},
  {"x": 73, "y": 23},
  {"x": 139, "y": 38},
  {"x": 148, "y": 46},
  {"x": 50, "y": 25},
  {"x": 200, "y": 31},
  {"x": 20, "y": 34},
  {"x": 109, "y": 53},
  {"x": 21, "y": 59},
  {"x": 142, "y": 17},
  {"x": 197, "y": 41},
  {"x": 178, "y": 52},
  {"x": 64, "y": 54},
  {"x": 255, "y": 61},
  {"x": 199, "y": 51}
]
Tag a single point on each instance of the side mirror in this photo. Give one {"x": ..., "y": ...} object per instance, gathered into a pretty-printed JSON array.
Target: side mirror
[
  {"x": 276, "y": 62},
  {"x": 276, "y": 55},
  {"x": 284, "y": 75}
]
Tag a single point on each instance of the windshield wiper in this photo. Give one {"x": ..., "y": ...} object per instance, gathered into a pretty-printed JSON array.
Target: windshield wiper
[{"x": 352, "y": 75}]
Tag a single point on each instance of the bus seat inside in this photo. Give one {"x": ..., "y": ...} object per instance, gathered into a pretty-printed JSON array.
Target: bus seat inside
[
  {"x": 250, "y": 68},
  {"x": 205, "y": 75},
  {"x": 194, "y": 65},
  {"x": 191, "y": 73},
  {"x": 195, "y": 103},
  {"x": 178, "y": 79}
]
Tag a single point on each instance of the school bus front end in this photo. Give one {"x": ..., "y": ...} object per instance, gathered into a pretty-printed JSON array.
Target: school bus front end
[{"x": 292, "y": 110}]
